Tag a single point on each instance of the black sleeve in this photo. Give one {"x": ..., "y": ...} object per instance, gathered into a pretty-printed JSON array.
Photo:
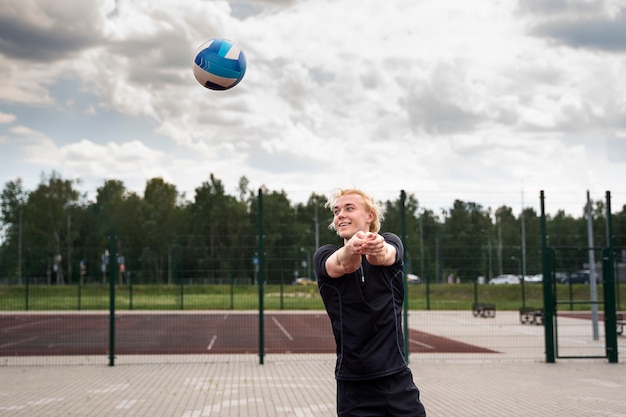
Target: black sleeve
[
  {"x": 319, "y": 260},
  {"x": 396, "y": 242}
]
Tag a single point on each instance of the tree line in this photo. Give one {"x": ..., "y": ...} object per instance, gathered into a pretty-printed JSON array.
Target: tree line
[{"x": 54, "y": 234}]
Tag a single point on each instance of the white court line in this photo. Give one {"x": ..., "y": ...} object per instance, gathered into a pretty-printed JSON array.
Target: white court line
[
  {"x": 280, "y": 326},
  {"x": 421, "y": 344},
  {"x": 30, "y": 339},
  {"x": 32, "y": 323},
  {"x": 18, "y": 342},
  {"x": 212, "y": 342}
]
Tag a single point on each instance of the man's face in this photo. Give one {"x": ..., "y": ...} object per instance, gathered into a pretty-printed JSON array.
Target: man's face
[{"x": 350, "y": 216}]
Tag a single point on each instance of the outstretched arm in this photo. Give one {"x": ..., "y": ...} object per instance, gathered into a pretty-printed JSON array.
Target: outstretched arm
[
  {"x": 378, "y": 251},
  {"x": 346, "y": 259}
]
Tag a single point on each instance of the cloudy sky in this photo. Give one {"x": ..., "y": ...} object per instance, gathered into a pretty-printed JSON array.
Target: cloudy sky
[{"x": 485, "y": 101}]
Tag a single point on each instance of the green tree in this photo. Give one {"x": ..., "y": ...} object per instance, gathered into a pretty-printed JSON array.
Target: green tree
[
  {"x": 13, "y": 201},
  {"x": 282, "y": 236},
  {"x": 215, "y": 236},
  {"x": 619, "y": 232},
  {"x": 119, "y": 212},
  {"x": 393, "y": 223},
  {"x": 428, "y": 232},
  {"x": 312, "y": 220},
  {"x": 508, "y": 238},
  {"x": 564, "y": 235},
  {"x": 533, "y": 241},
  {"x": 48, "y": 225},
  {"x": 311, "y": 228},
  {"x": 222, "y": 237},
  {"x": 467, "y": 232},
  {"x": 242, "y": 188},
  {"x": 161, "y": 217}
]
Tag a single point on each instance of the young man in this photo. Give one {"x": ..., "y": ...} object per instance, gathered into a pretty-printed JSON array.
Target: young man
[{"x": 362, "y": 286}]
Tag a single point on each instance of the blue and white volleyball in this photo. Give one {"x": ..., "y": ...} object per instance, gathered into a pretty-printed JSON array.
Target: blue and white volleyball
[{"x": 219, "y": 64}]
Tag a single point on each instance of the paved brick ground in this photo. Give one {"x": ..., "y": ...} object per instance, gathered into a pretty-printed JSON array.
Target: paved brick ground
[
  {"x": 306, "y": 388},
  {"x": 514, "y": 382}
]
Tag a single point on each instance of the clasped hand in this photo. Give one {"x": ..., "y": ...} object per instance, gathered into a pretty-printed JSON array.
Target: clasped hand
[{"x": 367, "y": 243}]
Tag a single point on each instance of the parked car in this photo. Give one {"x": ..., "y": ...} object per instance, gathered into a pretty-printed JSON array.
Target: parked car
[
  {"x": 533, "y": 279},
  {"x": 505, "y": 279},
  {"x": 582, "y": 276},
  {"x": 412, "y": 279},
  {"x": 304, "y": 281},
  {"x": 561, "y": 277}
]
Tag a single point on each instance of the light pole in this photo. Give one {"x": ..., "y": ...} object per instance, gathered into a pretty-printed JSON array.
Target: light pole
[
  {"x": 522, "y": 280},
  {"x": 523, "y": 225},
  {"x": 308, "y": 261}
]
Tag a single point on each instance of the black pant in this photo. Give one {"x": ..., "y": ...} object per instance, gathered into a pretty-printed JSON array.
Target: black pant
[{"x": 391, "y": 396}]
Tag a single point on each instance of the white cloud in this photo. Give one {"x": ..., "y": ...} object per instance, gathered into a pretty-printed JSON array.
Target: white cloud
[
  {"x": 94, "y": 163},
  {"x": 110, "y": 160},
  {"x": 469, "y": 100},
  {"x": 6, "y": 118}
]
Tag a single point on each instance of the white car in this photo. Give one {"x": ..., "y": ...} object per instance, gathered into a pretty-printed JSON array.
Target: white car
[
  {"x": 533, "y": 279},
  {"x": 304, "y": 281},
  {"x": 412, "y": 279},
  {"x": 505, "y": 279}
]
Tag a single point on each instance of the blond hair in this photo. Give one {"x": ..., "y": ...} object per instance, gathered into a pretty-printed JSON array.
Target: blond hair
[{"x": 371, "y": 206}]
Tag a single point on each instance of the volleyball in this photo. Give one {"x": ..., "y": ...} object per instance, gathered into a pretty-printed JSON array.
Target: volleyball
[{"x": 219, "y": 64}]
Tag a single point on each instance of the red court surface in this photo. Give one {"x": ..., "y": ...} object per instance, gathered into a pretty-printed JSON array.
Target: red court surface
[{"x": 188, "y": 333}]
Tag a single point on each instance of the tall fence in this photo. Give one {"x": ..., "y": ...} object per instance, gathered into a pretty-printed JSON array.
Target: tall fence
[
  {"x": 51, "y": 324},
  {"x": 124, "y": 304}
]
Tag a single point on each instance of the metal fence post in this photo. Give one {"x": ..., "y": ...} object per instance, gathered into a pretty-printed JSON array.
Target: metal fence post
[
  {"x": 610, "y": 319},
  {"x": 112, "y": 264},
  {"x": 261, "y": 277},
  {"x": 406, "y": 287},
  {"x": 548, "y": 297}
]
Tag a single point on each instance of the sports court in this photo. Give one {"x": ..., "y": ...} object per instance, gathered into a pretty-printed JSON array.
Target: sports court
[
  {"x": 161, "y": 333},
  {"x": 506, "y": 376}
]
